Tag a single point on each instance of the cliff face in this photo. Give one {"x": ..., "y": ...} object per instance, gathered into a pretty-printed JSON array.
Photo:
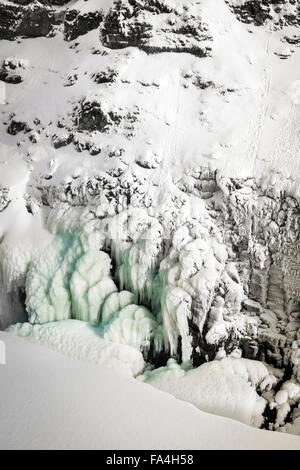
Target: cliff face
[
  {"x": 41, "y": 18},
  {"x": 165, "y": 134}
]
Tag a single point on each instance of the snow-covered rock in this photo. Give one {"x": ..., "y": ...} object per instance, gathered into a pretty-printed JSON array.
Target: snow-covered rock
[
  {"x": 226, "y": 387},
  {"x": 13, "y": 70}
]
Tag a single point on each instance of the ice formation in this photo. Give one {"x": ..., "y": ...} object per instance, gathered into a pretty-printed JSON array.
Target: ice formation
[
  {"x": 116, "y": 302},
  {"x": 47, "y": 282},
  {"x": 133, "y": 325}
]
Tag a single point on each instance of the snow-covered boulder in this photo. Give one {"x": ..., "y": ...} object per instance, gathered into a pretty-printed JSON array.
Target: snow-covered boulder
[
  {"x": 77, "y": 22},
  {"x": 13, "y": 70},
  {"x": 156, "y": 27},
  {"x": 226, "y": 387}
]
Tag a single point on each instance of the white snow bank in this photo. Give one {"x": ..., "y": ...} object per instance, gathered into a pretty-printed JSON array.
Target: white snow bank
[
  {"x": 226, "y": 387},
  {"x": 115, "y": 302},
  {"x": 133, "y": 325},
  {"x": 79, "y": 340},
  {"x": 52, "y": 402}
]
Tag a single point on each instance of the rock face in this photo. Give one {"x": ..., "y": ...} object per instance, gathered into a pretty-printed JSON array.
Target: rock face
[
  {"x": 17, "y": 126},
  {"x": 13, "y": 70},
  {"x": 155, "y": 26},
  {"x": 30, "y": 19},
  {"x": 96, "y": 115},
  {"x": 279, "y": 12},
  {"x": 77, "y": 23}
]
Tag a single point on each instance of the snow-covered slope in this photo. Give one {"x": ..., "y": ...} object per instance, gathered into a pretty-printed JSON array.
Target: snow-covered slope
[{"x": 48, "y": 401}]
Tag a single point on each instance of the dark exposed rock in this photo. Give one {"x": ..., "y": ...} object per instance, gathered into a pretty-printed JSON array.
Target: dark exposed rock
[
  {"x": 276, "y": 295},
  {"x": 272, "y": 339},
  {"x": 199, "y": 82},
  {"x": 37, "y": 18},
  {"x": 251, "y": 306},
  {"x": 105, "y": 76},
  {"x": 134, "y": 23},
  {"x": 17, "y": 126},
  {"x": 12, "y": 306},
  {"x": 93, "y": 116},
  {"x": 280, "y": 12},
  {"x": 77, "y": 23},
  {"x": 61, "y": 140},
  {"x": 250, "y": 348},
  {"x": 71, "y": 79},
  {"x": 293, "y": 39}
]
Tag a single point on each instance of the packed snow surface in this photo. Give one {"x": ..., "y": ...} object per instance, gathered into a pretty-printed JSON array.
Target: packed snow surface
[{"x": 49, "y": 401}]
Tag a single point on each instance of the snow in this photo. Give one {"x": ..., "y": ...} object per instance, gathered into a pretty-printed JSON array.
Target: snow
[
  {"x": 225, "y": 387},
  {"x": 90, "y": 285},
  {"x": 136, "y": 190},
  {"x": 52, "y": 402},
  {"x": 133, "y": 325},
  {"x": 80, "y": 340},
  {"x": 47, "y": 294}
]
